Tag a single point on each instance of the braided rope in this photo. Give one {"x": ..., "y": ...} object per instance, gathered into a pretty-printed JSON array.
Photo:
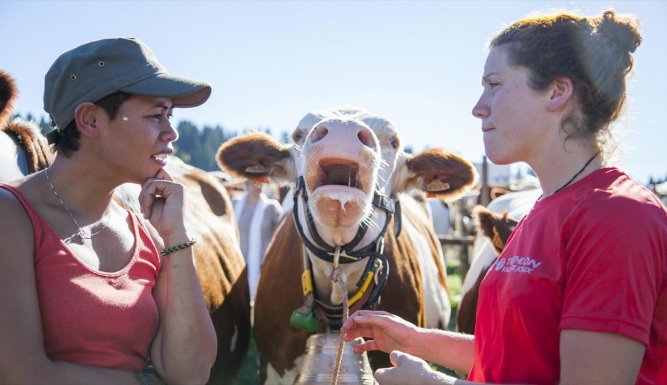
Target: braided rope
[
  {"x": 178, "y": 247},
  {"x": 338, "y": 278}
]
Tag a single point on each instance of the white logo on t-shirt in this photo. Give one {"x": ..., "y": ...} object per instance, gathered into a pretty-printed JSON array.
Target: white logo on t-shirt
[{"x": 517, "y": 264}]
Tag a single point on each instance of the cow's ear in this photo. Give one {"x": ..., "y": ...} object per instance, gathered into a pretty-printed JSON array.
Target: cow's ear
[
  {"x": 7, "y": 95},
  {"x": 440, "y": 173},
  {"x": 256, "y": 156},
  {"x": 496, "y": 227},
  {"x": 484, "y": 219}
]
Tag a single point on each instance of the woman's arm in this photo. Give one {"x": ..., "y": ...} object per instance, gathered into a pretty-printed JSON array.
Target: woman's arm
[
  {"x": 23, "y": 358},
  {"x": 185, "y": 346},
  {"x": 585, "y": 357},
  {"x": 603, "y": 358},
  {"x": 389, "y": 332}
]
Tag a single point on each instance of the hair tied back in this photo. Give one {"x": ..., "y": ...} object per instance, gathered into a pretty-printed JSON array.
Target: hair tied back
[{"x": 622, "y": 30}]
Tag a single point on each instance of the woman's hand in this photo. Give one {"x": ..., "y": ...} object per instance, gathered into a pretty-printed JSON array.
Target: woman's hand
[
  {"x": 161, "y": 201},
  {"x": 409, "y": 369},
  {"x": 388, "y": 332}
]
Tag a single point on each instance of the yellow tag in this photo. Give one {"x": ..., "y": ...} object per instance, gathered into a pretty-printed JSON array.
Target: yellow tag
[{"x": 306, "y": 282}]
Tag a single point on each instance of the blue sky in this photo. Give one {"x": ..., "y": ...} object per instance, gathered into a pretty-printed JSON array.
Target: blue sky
[{"x": 417, "y": 63}]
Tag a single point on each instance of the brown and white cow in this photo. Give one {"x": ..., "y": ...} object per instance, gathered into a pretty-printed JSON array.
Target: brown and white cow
[
  {"x": 495, "y": 223},
  {"x": 350, "y": 171},
  {"x": 210, "y": 219}
]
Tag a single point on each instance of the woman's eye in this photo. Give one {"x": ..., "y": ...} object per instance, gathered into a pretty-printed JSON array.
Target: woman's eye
[
  {"x": 493, "y": 84},
  {"x": 159, "y": 117}
]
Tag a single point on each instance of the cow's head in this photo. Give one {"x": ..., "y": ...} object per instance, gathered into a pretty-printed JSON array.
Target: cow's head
[{"x": 344, "y": 155}]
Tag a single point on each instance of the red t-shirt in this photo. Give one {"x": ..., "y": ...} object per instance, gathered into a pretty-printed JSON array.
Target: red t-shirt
[
  {"x": 591, "y": 257},
  {"x": 90, "y": 317}
]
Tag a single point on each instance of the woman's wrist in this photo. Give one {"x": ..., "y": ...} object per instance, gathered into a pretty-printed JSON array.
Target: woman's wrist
[
  {"x": 177, "y": 247},
  {"x": 175, "y": 237}
]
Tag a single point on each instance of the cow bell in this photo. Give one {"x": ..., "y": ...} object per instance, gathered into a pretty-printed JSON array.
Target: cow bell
[{"x": 319, "y": 362}]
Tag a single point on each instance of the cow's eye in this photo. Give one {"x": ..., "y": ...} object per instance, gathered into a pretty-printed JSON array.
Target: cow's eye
[
  {"x": 297, "y": 136},
  {"x": 394, "y": 142}
]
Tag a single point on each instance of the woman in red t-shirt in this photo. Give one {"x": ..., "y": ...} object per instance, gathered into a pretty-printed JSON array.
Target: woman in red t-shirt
[{"x": 579, "y": 294}]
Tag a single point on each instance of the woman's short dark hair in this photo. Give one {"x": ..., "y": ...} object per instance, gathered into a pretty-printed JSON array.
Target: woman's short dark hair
[
  {"x": 595, "y": 53},
  {"x": 68, "y": 139}
]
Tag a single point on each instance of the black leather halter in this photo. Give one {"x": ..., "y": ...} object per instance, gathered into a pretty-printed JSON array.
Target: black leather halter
[
  {"x": 374, "y": 251},
  {"x": 322, "y": 250}
]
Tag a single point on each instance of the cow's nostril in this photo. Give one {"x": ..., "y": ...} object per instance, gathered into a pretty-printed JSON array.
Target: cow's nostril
[
  {"x": 318, "y": 133},
  {"x": 366, "y": 137}
]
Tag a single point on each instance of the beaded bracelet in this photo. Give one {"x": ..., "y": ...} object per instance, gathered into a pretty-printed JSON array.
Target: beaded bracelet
[{"x": 180, "y": 246}]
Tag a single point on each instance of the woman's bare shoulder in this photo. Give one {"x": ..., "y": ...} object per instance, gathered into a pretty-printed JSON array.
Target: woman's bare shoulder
[{"x": 16, "y": 233}]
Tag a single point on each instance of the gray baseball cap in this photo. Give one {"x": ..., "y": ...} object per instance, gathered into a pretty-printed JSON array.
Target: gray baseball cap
[{"x": 94, "y": 70}]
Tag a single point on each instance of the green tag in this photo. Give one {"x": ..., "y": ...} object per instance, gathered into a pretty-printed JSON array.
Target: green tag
[{"x": 307, "y": 322}]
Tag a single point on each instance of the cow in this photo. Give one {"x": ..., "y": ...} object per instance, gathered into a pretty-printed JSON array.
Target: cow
[
  {"x": 494, "y": 225},
  {"x": 23, "y": 150},
  {"x": 351, "y": 210}
]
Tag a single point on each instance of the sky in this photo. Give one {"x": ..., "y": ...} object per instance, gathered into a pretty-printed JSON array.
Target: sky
[{"x": 417, "y": 63}]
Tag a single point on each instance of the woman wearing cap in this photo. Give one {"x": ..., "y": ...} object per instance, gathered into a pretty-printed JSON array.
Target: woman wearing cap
[
  {"x": 579, "y": 294},
  {"x": 87, "y": 295}
]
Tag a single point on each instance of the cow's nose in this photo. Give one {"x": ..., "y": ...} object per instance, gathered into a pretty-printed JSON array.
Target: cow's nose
[
  {"x": 319, "y": 133},
  {"x": 364, "y": 134},
  {"x": 366, "y": 137}
]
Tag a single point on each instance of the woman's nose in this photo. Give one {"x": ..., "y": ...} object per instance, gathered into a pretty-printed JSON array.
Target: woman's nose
[
  {"x": 169, "y": 133},
  {"x": 480, "y": 110}
]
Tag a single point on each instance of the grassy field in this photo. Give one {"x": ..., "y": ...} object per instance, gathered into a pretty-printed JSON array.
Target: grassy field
[{"x": 249, "y": 374}]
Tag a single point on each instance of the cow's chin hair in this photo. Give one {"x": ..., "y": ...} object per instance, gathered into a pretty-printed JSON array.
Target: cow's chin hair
[{"x": 340, "y": 208}]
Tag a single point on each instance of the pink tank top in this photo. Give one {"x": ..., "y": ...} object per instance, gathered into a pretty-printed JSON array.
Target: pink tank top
[{"x": 90, "y": 317}]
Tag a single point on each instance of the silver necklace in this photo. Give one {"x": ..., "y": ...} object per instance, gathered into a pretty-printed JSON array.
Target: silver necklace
[{"x": 82, "y": 232}]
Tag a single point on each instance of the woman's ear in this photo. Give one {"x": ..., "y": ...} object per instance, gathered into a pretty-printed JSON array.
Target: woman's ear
[
  {"x": 561, "y": 92},
  {"x": 86, "y": 115}
]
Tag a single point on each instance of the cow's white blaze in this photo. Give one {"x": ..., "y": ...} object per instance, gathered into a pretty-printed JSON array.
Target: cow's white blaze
[{"x": 341, "y": 158}]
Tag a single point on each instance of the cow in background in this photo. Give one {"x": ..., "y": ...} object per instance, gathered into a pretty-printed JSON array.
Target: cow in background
[
  {"x": 23, "y": 150},
  {"x": 495, "y": 223},
  {"x": 352, "y": 176}
]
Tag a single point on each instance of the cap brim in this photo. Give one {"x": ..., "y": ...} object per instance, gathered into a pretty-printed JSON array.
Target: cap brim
[{"x": 182, "y": 92}]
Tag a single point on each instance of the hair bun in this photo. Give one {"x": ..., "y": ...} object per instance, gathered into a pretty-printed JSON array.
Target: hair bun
[{"x": 622, "y": 30}]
